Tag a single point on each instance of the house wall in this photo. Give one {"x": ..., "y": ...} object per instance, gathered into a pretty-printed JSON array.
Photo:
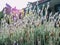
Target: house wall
[{"x": 54, "y": 2}]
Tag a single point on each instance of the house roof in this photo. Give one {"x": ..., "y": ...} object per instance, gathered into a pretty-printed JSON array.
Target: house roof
[{"x": 39, "y": 2}]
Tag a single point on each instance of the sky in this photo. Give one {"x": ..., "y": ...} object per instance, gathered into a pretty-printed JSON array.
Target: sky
[{"x": 18, "y": 3}]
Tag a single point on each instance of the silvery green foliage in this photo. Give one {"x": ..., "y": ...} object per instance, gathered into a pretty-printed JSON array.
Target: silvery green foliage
[{"x": 30, "y": 31}]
